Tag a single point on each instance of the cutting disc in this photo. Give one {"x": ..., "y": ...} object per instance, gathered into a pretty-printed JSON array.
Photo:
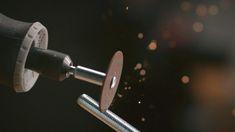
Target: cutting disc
[{"x": 111, "y": 81}]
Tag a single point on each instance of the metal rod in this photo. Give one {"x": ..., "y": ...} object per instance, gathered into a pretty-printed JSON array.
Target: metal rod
[
  {"x": 108, "y": 117},
  {"x": 88, "y": 75}
]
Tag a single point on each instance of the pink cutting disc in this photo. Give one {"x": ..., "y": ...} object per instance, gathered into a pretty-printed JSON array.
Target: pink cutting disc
[{"x": 111, "y": 81}]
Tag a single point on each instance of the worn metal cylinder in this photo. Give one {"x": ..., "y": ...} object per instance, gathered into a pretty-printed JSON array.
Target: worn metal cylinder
[{"x": 108, "y": 117}]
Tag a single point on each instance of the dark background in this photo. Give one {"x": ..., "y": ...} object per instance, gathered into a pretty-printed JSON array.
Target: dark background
[{"x": 90, "y": 31}]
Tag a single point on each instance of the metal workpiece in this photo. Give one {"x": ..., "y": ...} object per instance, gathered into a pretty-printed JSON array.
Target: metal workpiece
[{"x": 108, "y": 117}]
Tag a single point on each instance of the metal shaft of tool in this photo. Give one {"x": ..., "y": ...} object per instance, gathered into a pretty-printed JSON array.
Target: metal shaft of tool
[
  {"x": 88, "y": 75},
  {"x": 108, "y": 117}
]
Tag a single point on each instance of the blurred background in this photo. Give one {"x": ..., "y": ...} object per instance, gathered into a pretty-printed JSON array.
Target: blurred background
[{"x": 179, "y": 69}]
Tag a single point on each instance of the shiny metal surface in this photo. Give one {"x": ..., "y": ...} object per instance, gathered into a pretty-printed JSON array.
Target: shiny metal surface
[
  {"x": 108, "y": 117},
  {"x": 88, "y": 75}
]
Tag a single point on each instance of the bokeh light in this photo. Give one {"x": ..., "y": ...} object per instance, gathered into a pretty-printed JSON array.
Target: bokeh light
[
  {"x": 185, "y": 79},
  {"x": 201, "y": 10},
  {"x": 172, "y": 44},
  {"x": 186, "y": 6},
  {"x": 225, "y": 4},
  {"x": 233, "y": 112},
  {"x": 213, "y": 10},
  {"x": 198, "y": 27}
]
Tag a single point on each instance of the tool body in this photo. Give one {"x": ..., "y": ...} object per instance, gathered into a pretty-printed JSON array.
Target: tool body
[{"x": 25, "y": 57}]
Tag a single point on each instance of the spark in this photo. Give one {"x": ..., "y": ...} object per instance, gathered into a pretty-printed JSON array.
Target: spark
[
  {"x": 142, "y": 72},
  {"x": 119, "y": 95},
  {"x": 138, "y": 66},
  {"x": 143, "y": 119},
  {"x": 152, "y": 45},
  {"x": 140, "y": 35},
  {"x": 127, "y": 8}
]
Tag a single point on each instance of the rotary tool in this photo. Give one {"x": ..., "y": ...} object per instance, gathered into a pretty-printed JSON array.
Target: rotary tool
[{"x": 25, "y": 57}]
